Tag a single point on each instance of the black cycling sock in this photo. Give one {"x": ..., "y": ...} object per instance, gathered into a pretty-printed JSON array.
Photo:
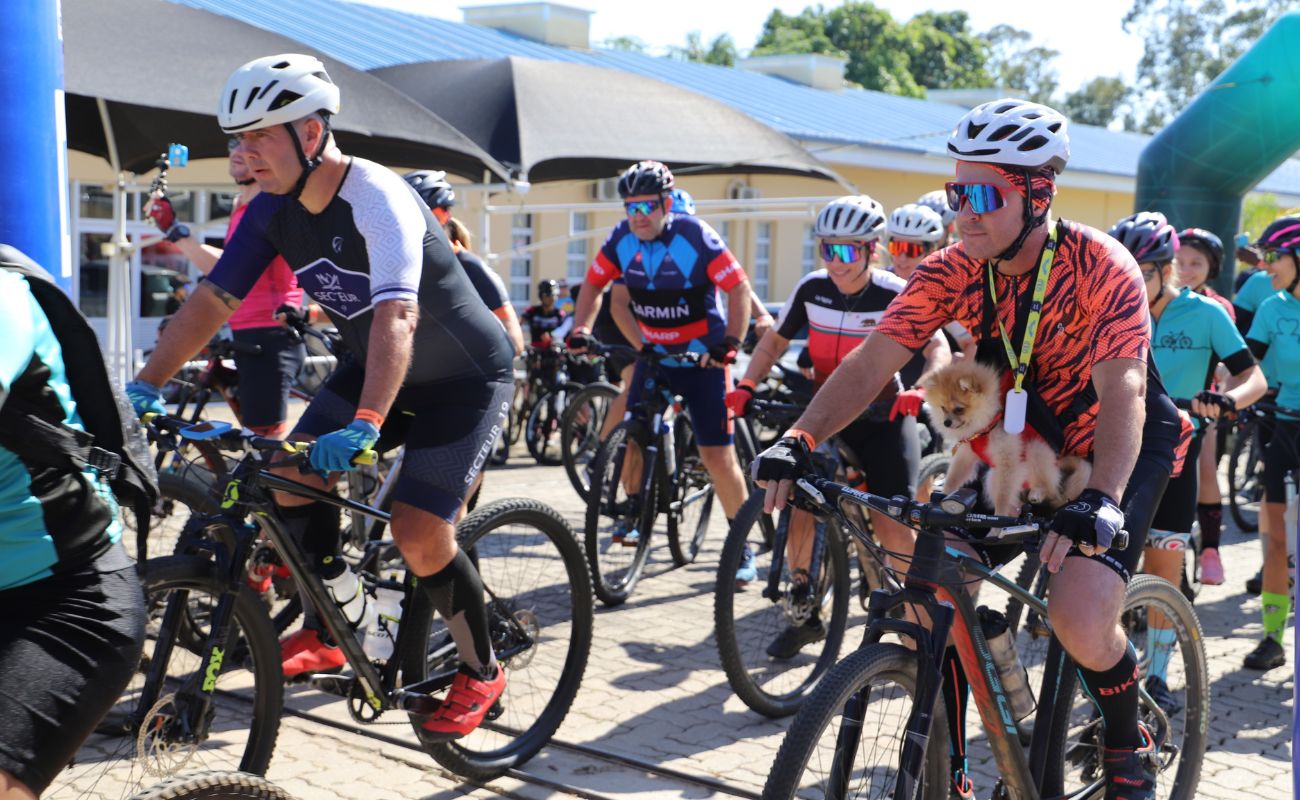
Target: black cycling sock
[
  {"x": 1210, "y": 516},
  {"x": 315, "y": 527},
  {"x": 956, "y": 689},
  {"x": 1115, "y": 691},
  {"x": 456, "y": 592}
]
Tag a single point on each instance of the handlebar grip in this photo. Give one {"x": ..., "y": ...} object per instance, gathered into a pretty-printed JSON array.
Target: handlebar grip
[
  {"x": 1120, "y": 542},
  {"x": 366, "y": 458}
]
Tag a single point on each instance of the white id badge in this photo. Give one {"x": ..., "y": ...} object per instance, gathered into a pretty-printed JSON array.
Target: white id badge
[{"x": 1013, "y": 416}]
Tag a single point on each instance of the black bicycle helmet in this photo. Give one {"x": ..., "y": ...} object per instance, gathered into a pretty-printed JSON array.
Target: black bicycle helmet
[
  {"x": 547, "y": 288},
  {"x": 1207, "y": 243},
  {"x": 645, "y": 177},
  {"x": 432, "y": 186}
]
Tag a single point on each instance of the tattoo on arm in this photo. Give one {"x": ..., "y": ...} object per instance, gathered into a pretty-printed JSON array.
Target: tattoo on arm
[{"x": 228, "y": 299}]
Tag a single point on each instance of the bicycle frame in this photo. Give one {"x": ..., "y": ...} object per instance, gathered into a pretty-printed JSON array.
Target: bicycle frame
[{"x": 935, "y": 567}]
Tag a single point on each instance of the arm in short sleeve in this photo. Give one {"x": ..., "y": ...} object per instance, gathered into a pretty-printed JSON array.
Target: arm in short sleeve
[
  {"x": 605, "y": 266},
  {"x": 723, "y": 268},
  {"x": 923, "y": 307},
  {"x": 388, "y": 216},
  {"x": 1228, "y": 345},
  {"x": 248, "y": 252},
  {"x": 487, "y": 283}
]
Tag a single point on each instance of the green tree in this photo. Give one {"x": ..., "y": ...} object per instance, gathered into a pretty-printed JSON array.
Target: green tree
[
  {"x": 1097, "y": 102},
  {"x": 1015, "y": 62},
  {"x": 630, "y": 44},
  {"x": 721, "y": 51},
  {"x": 1187, "y": 44},
  {"x": 932, "y": 50},
  {"x": 1257, "y": 211}
]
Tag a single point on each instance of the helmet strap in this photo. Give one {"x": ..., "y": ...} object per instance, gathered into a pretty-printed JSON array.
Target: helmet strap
[
  {"x": 1161, "y": 291},
  {"x": 1030, "y": 221},
  {"x": 309, "y": 165}
]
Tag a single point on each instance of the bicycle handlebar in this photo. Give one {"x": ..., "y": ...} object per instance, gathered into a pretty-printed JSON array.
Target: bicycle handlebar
[
  {"x": 951, "y": 512},
  {"x": 226, "y": 437}
]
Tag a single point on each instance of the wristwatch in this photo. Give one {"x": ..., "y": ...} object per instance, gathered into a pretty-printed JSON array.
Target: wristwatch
[{"x": 178, "y": 231}]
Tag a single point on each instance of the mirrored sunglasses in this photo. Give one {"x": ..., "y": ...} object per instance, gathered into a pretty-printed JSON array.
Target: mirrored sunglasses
[
  {"x": 909, "y": 249},
  {"x": 643, "y": 208},
  {"x": 982, "y": 197},
  {"x": 844, "y": 253}
]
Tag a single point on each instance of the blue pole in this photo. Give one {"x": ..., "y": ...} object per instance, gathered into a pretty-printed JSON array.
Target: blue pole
[{"x": 33, "y": 136}]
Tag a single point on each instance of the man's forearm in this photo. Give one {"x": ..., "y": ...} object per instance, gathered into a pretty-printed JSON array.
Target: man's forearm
[
  {"x": 589, "y": 300},
  {"x": 852, "y": 386},
  {"x": 620, "y": 308},
  {"x": 192, "y": 327},
  {"x": 1117, "y": 437},
  {"x": 391, "y": 336},
  {"x": 937, "y": 356},
  {"x": 738, "y": 302},
  {"x": 203, "y": 256}
]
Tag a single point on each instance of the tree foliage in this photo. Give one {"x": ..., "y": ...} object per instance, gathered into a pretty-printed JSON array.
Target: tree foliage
[
  {"x": 1017, "y": 63},
  {"x": 720, "y": 51},
  {"x": 1100, "y": 101},
  {"x": 1187, "y": 44}
]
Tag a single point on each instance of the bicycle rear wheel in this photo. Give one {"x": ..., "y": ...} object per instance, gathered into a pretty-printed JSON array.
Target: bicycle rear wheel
[
  {"x": 1074, "y": 757},
  {"x": 540, "y": 613},
  {"x": 880, "y": 681},
  {"x": 747, "y": 623},
  {"x": 580, "y": 427},
  {"x": 144, "y": 737},
  {"x": 690, "y": 501},
  {"x": 215, "y": 785},
  {"x": 1246, "y": 477},
  {"x": 616, "y": 564}
]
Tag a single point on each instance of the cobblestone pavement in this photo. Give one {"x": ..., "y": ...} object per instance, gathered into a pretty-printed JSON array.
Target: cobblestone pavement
[{"x": 654, "y": 692}]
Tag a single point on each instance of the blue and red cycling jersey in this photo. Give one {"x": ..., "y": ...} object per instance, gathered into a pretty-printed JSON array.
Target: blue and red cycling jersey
[{"x": 673, "y": 281}]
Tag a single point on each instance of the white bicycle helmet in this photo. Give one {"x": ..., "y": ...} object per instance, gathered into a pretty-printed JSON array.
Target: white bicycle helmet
[
  {"x": 275, "y": 90},
  {"x": 937, "y": 201},
  {"x": 1014, "y": 133},
  {"x": 915, "y": 221},
  {"x": 851, "y": 217}
]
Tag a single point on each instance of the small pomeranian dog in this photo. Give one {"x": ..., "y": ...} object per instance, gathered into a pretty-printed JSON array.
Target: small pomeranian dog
[{"x": 966, "y": 397}]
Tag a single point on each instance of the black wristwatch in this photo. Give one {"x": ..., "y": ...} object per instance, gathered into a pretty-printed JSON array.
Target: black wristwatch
[{"x": 178, "y": 231}]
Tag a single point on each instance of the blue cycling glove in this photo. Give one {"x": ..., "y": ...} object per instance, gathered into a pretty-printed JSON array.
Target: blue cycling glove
[
  {"x": 145, "y": 398},
  {"x": 334, "y": 452}
]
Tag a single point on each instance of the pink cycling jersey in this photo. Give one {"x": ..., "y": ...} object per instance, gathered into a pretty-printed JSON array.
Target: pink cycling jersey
[{"x": 277, "y": 286}]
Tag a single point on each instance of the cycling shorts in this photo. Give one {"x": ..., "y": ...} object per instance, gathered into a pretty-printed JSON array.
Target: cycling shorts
[
  {"x": 703, "y": 391},
  {"x": 448, "y": 427},
  {"x": 1177, "y": 509},
  {"x": 265, "y": 379},
  {"x": 1281, "y": 455},
  {"x": 69, "y": 644},
  {"x": 889, "y": 453}
]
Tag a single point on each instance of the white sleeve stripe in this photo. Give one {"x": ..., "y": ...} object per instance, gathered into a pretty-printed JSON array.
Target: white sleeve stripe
[
  {"x": 398, "y": 292},
  {"x": 388, "y": 217}
]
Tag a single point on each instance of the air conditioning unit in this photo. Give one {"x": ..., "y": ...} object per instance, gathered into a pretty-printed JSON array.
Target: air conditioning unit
[
  {"x": 739, "y": 190},
  {"x": 605, "y": 189}
]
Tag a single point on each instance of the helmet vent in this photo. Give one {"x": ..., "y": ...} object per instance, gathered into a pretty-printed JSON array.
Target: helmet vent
[
  {"x": 1032, "y": 144},
  {"x": 267, "y": 90},
  {"x": 1003, "y": 132},
  {"x": 283, "y": 99},
  {"x": 251, "y": 97},
  {"x": 280, "y": 65}
]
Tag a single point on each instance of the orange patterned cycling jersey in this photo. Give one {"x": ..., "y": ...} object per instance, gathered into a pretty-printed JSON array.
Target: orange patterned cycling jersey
[{"x": 1094, "y": 310}]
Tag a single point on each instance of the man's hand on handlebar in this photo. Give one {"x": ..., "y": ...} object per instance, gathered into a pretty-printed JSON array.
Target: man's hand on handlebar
[
  {"x": 1091, "y": 522},
  {"x": 779, "y": 466}
]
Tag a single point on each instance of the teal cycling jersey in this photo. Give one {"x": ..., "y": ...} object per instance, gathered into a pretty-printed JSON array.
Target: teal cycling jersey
[
  {"x": 49, "y": 521},
  {"x": 1256, "y": 289},
  {"x": 1277, "y": 327},
  {"x": 1192, "y": 335}
]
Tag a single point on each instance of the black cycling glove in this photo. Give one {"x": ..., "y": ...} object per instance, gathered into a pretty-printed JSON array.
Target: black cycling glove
[
  {"x": 1225, "y": 403},
  {"x": 724, "y": 352},
  {"x": 787, "y": 460},
  {"x": 1092, "y": 519}
]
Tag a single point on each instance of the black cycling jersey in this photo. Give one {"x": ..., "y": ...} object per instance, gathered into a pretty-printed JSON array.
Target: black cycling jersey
[
  {"x": 374, "y": 241},
  {"x": 541, "y": 322},
  {"x": 486, "y": 282}
]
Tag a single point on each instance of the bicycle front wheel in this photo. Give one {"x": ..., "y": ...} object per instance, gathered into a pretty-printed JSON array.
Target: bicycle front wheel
[
  {"x": 846, "y": 740},
  {"x": 749, "y": 625},
  {"x": 542, "y": 429},
  {"x": 215, "y": 785},
  {"x": 151, "y": 731},
  {"x": 617, "y": 558},
  {"x": 1178, "y": 722},
  {"x": 580, "y": 427},
  {"x": 540, "y": 614},
  {"x": 690, "y": 501},
  {"x": 1246, "y": 477}
]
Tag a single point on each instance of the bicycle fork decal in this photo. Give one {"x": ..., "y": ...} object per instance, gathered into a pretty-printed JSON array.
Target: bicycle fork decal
[
  {"x": 213, "y": 670},
  {"x": 231, "y": 495},
  {"x": 988, "y": 693}
]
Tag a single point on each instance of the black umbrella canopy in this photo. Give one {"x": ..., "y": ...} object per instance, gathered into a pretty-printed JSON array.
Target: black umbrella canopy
[
  {"x": 161, "y": 67},
  {"x": 554, "y": 120}
]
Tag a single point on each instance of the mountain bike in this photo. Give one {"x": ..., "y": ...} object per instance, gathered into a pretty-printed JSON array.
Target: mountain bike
[
  {"x": 876, "y": 727},
  {"x": 209, "y": 691},
  {"x": 214, "y": 785},
  {"x": 673, "y": 481}
]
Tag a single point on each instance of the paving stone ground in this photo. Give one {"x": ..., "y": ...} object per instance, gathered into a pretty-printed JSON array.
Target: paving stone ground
[{"x": 654, "y": 691}]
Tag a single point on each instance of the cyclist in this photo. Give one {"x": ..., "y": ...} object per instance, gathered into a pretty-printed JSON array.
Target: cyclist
[
  {"x": 1192, "y": 334},
  {"x": 432, "y": 361},
  {"x": 436, "y": 192},
  {"x": 1273, "y": 332},
  {"x": 672, "y": 266},
  {"x": 839, "y": 305},
  {"x": 266, "y": 377},
  {"x": 937, "y": 201},
  {"x": 1200, "y": 257},
  {"x": 74, "y": 611},
  {"x": 1015, "y": 274}
]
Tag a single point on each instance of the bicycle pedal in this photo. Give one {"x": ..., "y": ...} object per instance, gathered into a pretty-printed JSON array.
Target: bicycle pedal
[{"x": 331, "y": 683}]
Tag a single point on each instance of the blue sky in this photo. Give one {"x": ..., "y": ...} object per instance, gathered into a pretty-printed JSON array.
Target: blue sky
[{"x": 1090, "y": 44}]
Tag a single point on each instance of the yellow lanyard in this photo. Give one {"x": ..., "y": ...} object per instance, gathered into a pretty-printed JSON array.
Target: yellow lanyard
[{"x": 1021, "y": 366}]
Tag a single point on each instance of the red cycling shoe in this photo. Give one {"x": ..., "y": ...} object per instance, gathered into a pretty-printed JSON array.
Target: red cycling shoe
[
  {"x": 304, "y": 652},
  {"x": 463, "y": 709}
]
